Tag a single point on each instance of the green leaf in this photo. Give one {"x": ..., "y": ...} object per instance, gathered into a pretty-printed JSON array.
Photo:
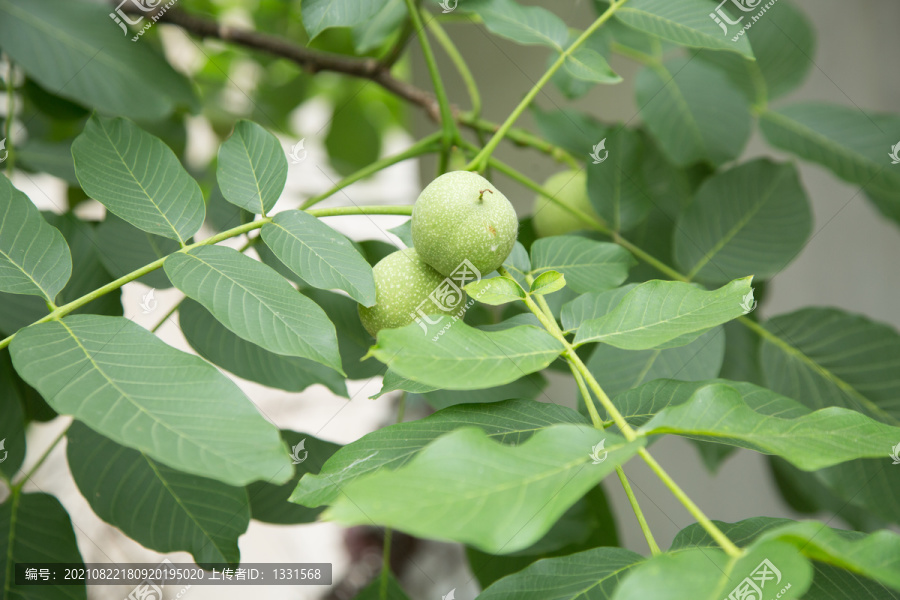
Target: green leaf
[
  {"x": 529, "y": 387},
  {"x": 270, "y": 503},
  {"x": 687, "y": 23},
  {"x": 548, "y": 282},
  {"x": 161, "y": 508},
  {"x": 591, "y": 306},
  {"x": 137, "y": 177},
  {"x": 574, "y": 131},
  {"x": 518, "y": 264},
  {"x": 876, "y": 556},
  {"x": 690, "y": 124},
  {"x": 252, "y": 168},
  {"x": 74, "y": 50},
  {"x": 590, "y": 575},
  {"x": 319, "y": 15},
  {"x": 12, "y": 427},
  {"x": 522, "y": 24},
  {"x": 255, "y": 303},
  {"x": 464, "y": 358},
  {"x": 589, "y": 65},
  {"x": 641, "y": 404},
  {"x": 812, "y": 441},
  {"x": 393, "y": 382},
  {"x": 510, "y": 422},
  {"x": 620, "y": 370},
  {"x": 710, "y": 574},
  {"x": 749, "y": 220},
  {"x": 588, "y": 266},
  {"x": 373, "y": 590},
  {"x": 36, "y": 528},
  {"x": 45, "y": 156},
  {"x": 495, "y": 291},
  {"x": 852, "y": 144},
  {"x": 783, "y": 43},
  {"x": 616, "y": 186},
  {"x": 126, "y": 248},
  {"x": 354, "y": 137},
  {"x": 321, "y": 256},
  {"x": 214, "y": 342},
  {"x": 353, "y": 339},
  {"x": 589, "y": 523},
  {"x": 839, "y": 359},
  {"x": 126, "y": 384},
  {"x": 404, "y": 232},
  {"x": 828, "y": 581},
  {"x": 658, "y": 313},
  {"x": 834, "y": 358},
  {"x": 373, "y": 32},
  {"x": 468, "y": 488},
  {"x": 34, "y": 257}
]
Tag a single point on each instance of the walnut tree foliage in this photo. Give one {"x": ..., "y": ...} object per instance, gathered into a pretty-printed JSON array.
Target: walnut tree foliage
[{"x": 646, "y": 301}]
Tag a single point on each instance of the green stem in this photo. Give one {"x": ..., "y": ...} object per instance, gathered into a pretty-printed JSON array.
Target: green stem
[
  {"x": 385, "y": 563},
  {"x": 448, "y": 123},
  {"x": 167, "y": 316},
  {"x": 236, "y": 231},
  {"x": 642, "y": 521},
  {"x": 649, "y": 259},
  {"x": 40, "y": 461},
  {"x": 423, "y": 146},
  {"x": 459, "y": 62},
  {"x": 596, "y": 419},
  {"x": 521, "y": 137},
  {"x": 10, "y": 540},
  {"x": 10, "y": 114},
  {"x": 592, "y": 221},
  {"x": 578, "y": 365},
  {"x": 698, "y": 514},
  {"x": 480, "y": 162},
  {"x": 598, "y": 423}
]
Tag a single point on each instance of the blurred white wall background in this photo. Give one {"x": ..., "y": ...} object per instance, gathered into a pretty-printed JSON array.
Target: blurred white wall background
[{"x": 851, "y": 262}]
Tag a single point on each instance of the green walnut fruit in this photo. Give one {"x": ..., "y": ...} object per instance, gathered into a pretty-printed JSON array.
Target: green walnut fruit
[
  {"x": 461, "y": 216},
  {"x": 570, "y": 188},
  {"x": 403, "y": 284}
]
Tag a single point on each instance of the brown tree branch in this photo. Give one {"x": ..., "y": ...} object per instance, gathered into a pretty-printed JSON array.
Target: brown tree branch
[{"x": 312, "y": 61}]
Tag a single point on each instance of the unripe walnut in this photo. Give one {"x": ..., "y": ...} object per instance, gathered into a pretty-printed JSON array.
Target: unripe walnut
[
  {"x": 461, "y": 216},
  {"x": 570, "y": 188},
  {"x": 402, "y": 281}
]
